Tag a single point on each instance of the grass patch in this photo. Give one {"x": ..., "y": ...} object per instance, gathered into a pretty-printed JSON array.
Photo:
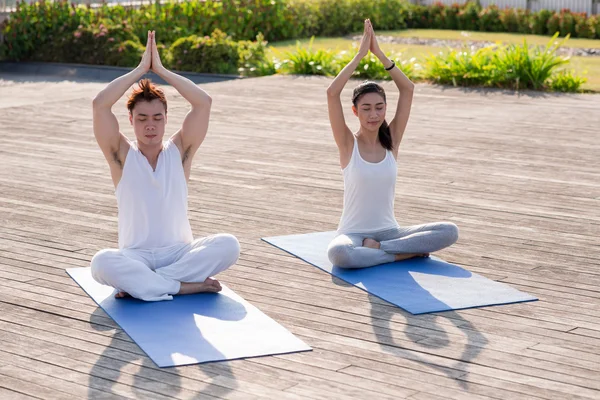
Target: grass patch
[
  {"x": 589, "y": 67},
  {"x": 514, "y": 38}
]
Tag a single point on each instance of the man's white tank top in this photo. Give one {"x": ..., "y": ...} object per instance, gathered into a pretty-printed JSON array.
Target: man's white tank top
[
  {"x": 369, "y": 190},
  {"x": 153, "y": 204}
]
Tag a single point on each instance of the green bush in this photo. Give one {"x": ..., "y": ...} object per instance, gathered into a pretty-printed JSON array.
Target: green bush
[
  {"x": 436, "y": 17},
  {"x": 127, "y": 54},
  {"x": 524, "y": 20},
  {"x": 509, "y": 20},
  {"x": 262, "y": 68},
  {"x": 34, "y": 25},
  {"x": 553, "y": 25},
  {"x": 461, "y": 68},
  {"x": 567, "y": 23},
  {"x": 513, "y": 66},
  {"x": 31, "y": 26},
  {"x": 565, "y": 81},
  {"x": 217, "y": 53},
  {"x": 417, "y": 16},
  {"x": 253, "y": 60},
  {"x": 451, "y": 16},
  {"x": 595, "y": 23},
  {"x": 529, "y": 67},
  {"x": 539, "y": 22},
  {"x": 468, "y": 16},
  {"x": 346, "y": 16},
  {"x": 489, "y": 20},
  {"x": 440, "y": 16},
  {"x": 371, "y": 68},
  {"x": 93, "y": 44},
  {"x": 307, "y": 61},
  {"x": 584, "y": 27}
]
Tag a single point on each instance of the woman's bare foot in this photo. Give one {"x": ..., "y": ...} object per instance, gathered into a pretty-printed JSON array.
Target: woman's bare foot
[
  {"x": 209, "y": 285},
  {"x": 122, "y": 295},
  {"x": 400, "y": 257},
  {"x": 373, "y": 244}
]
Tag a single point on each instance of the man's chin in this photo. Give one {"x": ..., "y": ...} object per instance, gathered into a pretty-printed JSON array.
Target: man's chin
[{"x": 150, "y": 139}]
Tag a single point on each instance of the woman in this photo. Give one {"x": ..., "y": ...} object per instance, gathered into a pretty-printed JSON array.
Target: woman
[{"x": 368, "y": 233}]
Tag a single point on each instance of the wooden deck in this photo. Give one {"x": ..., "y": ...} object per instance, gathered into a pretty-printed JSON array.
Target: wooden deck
[{"x": 520, "y": 175}]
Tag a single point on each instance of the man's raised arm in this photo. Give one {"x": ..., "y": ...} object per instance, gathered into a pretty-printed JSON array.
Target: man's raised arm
[{"x": 106, "y": 127}]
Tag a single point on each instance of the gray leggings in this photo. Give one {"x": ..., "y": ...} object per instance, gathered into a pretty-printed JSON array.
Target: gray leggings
[{"x": 347, "y": 251}]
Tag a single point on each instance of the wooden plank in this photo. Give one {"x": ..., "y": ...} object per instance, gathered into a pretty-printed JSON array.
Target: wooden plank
[
  {"x": 8, "y": 394},
  {"x": 524, "y": 194},
  {"x": 23, "y": 385}
]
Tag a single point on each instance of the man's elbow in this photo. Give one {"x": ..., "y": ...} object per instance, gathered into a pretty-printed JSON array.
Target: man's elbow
[
  {"x": 98, "y": 102},
  {"x": 206, "y": 102}
]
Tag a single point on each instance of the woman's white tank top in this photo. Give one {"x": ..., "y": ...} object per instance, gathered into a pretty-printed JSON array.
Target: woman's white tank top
[
  {"x": 153, "y": 204},
  {"x": 369, "y": 190}
]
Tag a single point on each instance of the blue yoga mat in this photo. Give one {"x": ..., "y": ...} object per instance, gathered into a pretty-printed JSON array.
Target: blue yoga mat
[
  {"x": 194, "y": 328},
  {"x": 420, "y": 285}
]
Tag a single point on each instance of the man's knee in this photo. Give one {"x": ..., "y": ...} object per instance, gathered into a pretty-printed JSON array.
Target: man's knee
[
  {"x": 230, "y": 247},
  {"x": 103, "y": 264}
]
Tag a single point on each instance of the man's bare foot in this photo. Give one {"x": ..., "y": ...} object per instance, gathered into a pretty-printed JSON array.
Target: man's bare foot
[
  {"x": 374, "y": 244},
  {"x": 122, "y": 295},
  {"x": 209, "y": 285},
  {"x": 400, "y": 257}
]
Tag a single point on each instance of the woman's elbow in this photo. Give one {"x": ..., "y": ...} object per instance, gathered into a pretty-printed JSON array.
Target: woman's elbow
[{"x": 332, "y": 92}]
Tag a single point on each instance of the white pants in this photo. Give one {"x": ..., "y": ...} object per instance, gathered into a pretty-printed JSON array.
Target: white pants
[{"x": 156, "y": 274}]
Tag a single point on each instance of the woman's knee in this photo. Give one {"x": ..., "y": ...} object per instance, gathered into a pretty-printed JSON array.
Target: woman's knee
[
  {"x": 341, "y": 255},
  {"x": 451, "y": 232}
]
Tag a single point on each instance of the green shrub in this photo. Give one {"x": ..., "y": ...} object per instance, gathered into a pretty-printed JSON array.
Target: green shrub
[
  {"x": 595, "y": 23},
  {"x": 127, "y": 54},
  {"x": 217, "y": 53},
  {"x": 529, "y": 67},
  {"x": 468, "y": 16},
  {"x": 306, "y": 61},
  {"x": 512, "y": 66},
  {"x": 567, "y": 23},
  {"x": 489, "y": 20},
  {"x": 48, "y": 31},
  {"x": 584, "y": 27},
  {"x": 436, "y": 16},
  {"x": 252, "y": 57},
  {"x": 370, "y": 67},
  {"x": 565, "y": 81},
  {"x": 553, "y": 25},
  {"x": 509, "y": 20},
  {"x": 417, "y": 16},
  {"x": 451, "y": 16},
  {"x": 31, "y": 26},
  {"x": 539, "y": 22},
  {"x": 523, "y": 21},
  {"x": 262, "y": 68},
  {"x": 461, "y": 68},
  {"x": 390, "y": 15},
  {"x": 92, "y": 44}
]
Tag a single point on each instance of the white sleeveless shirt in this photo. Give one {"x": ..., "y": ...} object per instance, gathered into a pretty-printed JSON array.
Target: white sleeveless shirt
[
  {"x": 153, "y": 204},
  {"x": 369, "y": 190}
]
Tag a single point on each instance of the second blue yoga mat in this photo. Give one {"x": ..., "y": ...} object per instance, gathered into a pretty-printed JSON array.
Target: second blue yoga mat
[
  {"x": 194, "y": 328},
  {"x": 420, "y": 285}
]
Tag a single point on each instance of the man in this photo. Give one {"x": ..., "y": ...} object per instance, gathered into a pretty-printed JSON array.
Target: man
[{"x": 157, "y": 256}]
